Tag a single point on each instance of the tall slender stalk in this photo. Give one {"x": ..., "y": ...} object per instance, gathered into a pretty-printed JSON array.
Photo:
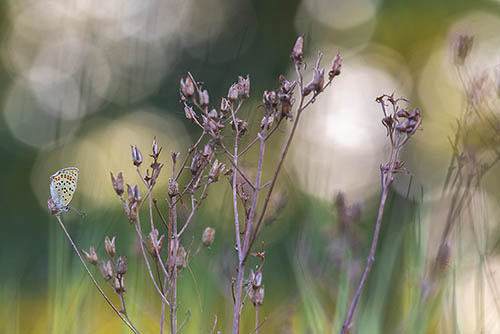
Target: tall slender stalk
[{"x": 129, "y": 324}]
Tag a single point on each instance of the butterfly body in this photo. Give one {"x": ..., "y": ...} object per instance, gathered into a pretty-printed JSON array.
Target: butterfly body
[{"x": 63, "y": 186}]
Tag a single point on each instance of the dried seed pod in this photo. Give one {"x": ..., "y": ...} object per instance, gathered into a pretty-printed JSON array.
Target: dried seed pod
[
  {"x": 215, "y": 171},
  {"x": 336, "y": 65},
  {"x": 136, "y": 156},
  {"x": 117, "y": 183},
  {"x": 225, "y": 105},
  {"x": 189, "y": 112},
  {"x": 106, "y": 270},
  {"x": 52, "y": 207},
  {"x": 232, "y": 95},
  {"x": 154, "y": 242},
  {"x": 137, "y": 194},
  {"x": 298, "y": 50},
  {"x": 256, "y": 295},
  {"x": 316, "y": 83},
  {"x": 173, "y": 187},
  {"x": 187, "y": 86},
  {"x": 121, "y": 265},
  {"x": 181, "y": 258},
  {"x": 208, "y": 236},
  {"x": 110, "y": 246},
  {"x": 119, "y": 284},
  {"x": 92, "y": 256},
  {"x": 204, "y": 98}
]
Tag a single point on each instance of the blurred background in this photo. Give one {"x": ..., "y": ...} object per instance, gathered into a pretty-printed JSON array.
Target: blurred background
[{"x": 81, "y": 80}]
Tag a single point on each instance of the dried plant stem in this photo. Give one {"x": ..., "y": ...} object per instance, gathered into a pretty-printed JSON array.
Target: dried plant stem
[
  {"x": 256, "y": 319},
  {"x": 371, "y": 257},
  {"x": 128, "y": 323},
  {"x": 144, "y": 255},
  {"x": 149, "y": 187}
]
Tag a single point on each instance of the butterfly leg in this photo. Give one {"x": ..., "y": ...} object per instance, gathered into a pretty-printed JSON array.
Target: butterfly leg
[{"x": 80, "y": 213}]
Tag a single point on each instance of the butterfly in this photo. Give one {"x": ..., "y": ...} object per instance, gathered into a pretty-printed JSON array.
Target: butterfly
[{"x": 62, "y": 187}]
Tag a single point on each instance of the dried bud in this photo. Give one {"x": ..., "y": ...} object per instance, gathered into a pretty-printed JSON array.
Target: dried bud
[
  {"x": 316, "y": 83},
  {"x": 463, "y": 45},
  {"x": 130, "y": 192},
  {"x": 187, "y": 86},
  {"x": 244, "y": 87},
  {"x": 154, "y": 242},
  {"x": 212, "y": 114},
  {"x": 190, "y": 114},
  {"x": 287, "y": 87},
  {"x": 173, "y": 187},
  {"x": 195, "y": 163},
  {"x": 175, "y": 156},
  {"x": 267, "y": 121},
  {"x": 181, "y": 258},
  {"x": 119, "y": 284},
  {"x": 204, "y": 98},
  {"x": 52, "y": 207},
  {"x": 269, "y": 99},
  {"x": 92, "y": 257},
  {"x": 110, "y": 246},
  {"x": 232, "y": 95},
  {"x": 155, "y": 149},
  {"x": 136, "y": 156},
  {"x": 298, "y": 52},
  {"x": 121, "y": 265},
  {"x": 335, "y": 70},
  {"x": 256, "y": 278},
  {"x": 241, "y": 125},
  {"x": 208, "y": 150},
  {"x": 256, "y": 295},
  {"x": 215, "y": 171},
  {"x": 106, "y": 270},
  {"x": 117, "y": 183},
  {"x": 137, "y": 194},
  {"x": 225, "y": 105},
  {"x": 208, "y": 236}
]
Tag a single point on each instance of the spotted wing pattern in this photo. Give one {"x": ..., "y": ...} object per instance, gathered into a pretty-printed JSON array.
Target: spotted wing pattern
[{"x": 63, "y": 186}]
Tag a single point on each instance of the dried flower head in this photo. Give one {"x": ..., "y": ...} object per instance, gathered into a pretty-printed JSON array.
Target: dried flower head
[
  {"x": 336, "y": 65},
  {"x": 243, "y": 87},
  {"x": 173, "y": 187},
  {"x": 154, "y": 242},
  {"x": 316, "y": 83},
  {"x": 233, "y": 93},
  {"x": 215, "y": 171},
  {"x": 187, "y": 86},
  {"x": 298, "y": 50},
  {"x": 156, "y": 151},
  {"x": 189, "y": 112},
  {"x": 91, "y": 256},
  {"x": 121, "y": 265},
  {"x": 204, "y": 98},
  {"x": 181, "y": 258},
  {"x": 119, "y": 284},
  {"x": 117, "y": 183},
  {"x": 136, "y": 156},
  {"x": 52, "y": 207},
  {"x": 208, "y": 236},
  {"x": 110, "y": 246},
  {"x": 256, "y": 295},
  {"x": 106, "y": 270},
  {"x": 224, "y": 105}
]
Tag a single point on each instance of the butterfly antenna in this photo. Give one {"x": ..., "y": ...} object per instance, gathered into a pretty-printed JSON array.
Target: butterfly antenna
[{"x": 80, "y": 213}]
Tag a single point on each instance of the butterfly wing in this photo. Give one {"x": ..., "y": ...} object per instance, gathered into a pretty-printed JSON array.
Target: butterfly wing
[{"x": 63, "y": 186}]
